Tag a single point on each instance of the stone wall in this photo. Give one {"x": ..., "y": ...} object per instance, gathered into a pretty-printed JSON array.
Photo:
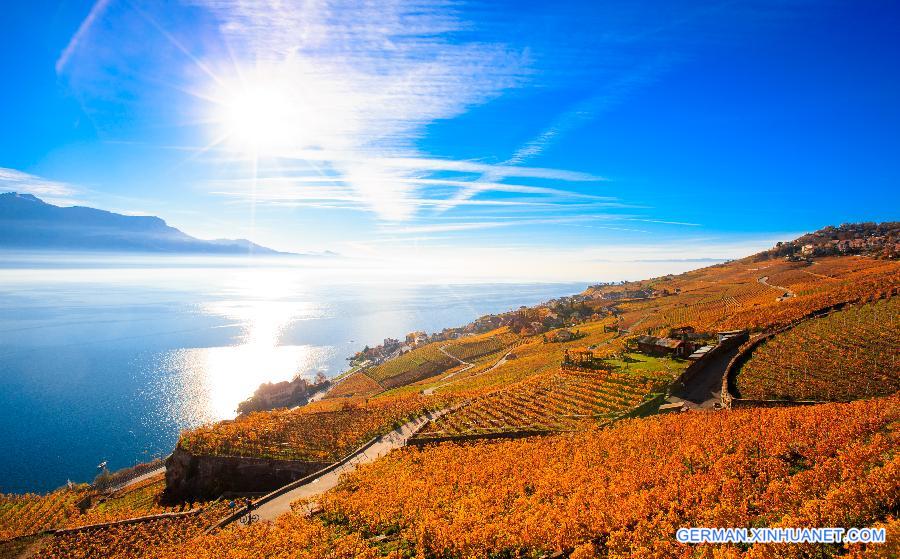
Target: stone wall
[
  {"x": 729, "y": 379},
  {"x": 190, "y": 476}
]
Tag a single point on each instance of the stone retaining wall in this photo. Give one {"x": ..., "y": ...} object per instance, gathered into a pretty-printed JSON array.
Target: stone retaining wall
[
  {"x": 293, "y": 485},
  {"x": 189, "y": 476},
  {"x": 728, "y": 379}
]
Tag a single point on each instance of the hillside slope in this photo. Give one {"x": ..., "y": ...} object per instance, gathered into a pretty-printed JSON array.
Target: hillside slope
[{"x": 614, "y": 493}]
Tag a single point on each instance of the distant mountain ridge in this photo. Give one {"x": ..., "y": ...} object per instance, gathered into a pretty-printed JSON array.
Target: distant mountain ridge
[{"x": 27, "y": 222}]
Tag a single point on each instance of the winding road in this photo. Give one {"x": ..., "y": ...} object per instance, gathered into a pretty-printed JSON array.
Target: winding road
[
  {"x": 787, "y": 292},
  {"x": 500, "y": 362},
  {"x": 467, "y": 366}
]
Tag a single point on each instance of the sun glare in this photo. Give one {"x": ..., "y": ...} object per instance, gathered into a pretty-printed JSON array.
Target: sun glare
[
  {"x": 277, "y": 111},
  {"x": 261, "y": 305},
  {"x": 260, "y": 118}
]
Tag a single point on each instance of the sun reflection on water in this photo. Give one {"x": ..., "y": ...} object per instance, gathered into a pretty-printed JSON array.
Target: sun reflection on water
[{"x": 211, "y": 381}]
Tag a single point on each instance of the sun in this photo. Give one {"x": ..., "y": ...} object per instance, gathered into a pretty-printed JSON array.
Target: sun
[
  {"x": 270, "y": 112},
  {"x": 279, "y": 109},
  {"x": 260, "y": 118}
]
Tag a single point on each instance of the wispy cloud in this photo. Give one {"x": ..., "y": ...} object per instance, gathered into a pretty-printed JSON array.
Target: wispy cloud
[
  {"x": 609, "y": 95},
  {"x": 363, "y": 81},
  {"x": 337, "y": 97},
  {"x": 336, "y": 192},
  {"x": 288, "y": 185},
  {"x": 83, "y": 29},
  {"x": 582, "y": 112},
  {"x": 344, "y": 87},
  {"x": 579, "y": 220},
  {"x": 55, "y": 192}
]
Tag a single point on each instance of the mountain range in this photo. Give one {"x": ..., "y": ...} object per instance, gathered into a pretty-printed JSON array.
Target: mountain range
[{"x": 29, "y": 223}]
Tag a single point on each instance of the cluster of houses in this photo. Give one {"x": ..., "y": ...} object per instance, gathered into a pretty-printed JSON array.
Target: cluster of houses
[
  {"x": 683, "y": 342},
  {"x": 389, "y": 349},
  {"x": 874, "y": 239},
  {"x": 848, "y": 246},
  {"x": 562, "y": 335},
  {"x": 628, "y": 294},
  {"x": 283, "y": 394},
  {"x": 556, "y": 313},
  {"x": 621, "y": 291}
]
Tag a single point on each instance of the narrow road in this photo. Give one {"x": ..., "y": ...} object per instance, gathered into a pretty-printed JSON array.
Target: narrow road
[
  {"x": 386, "y": 443},
  {"x": 500, "y": 362},
  {"x": 467, "y": 366},
  {"x": 787, "y": 292},
  {"x": 704, "y": 390},
  {"x": 458, "y": 360}
]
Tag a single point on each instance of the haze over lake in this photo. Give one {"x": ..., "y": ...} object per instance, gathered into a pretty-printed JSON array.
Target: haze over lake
[{"x": 108, "y": 359}]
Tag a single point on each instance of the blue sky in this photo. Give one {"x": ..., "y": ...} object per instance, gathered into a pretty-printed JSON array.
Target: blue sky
[{"x": 564, "y": 140}]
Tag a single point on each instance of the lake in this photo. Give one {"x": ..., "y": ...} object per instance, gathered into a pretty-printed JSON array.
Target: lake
[{"x": 108, "y": 359}]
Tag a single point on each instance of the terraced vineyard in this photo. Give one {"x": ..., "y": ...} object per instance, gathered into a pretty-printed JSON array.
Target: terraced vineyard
[
  {"x": 709, "y": 310},
  {"x": 476, "y": 346},
  {"x": 139, "y": 499},
  {"x": 430, "y": 360},
  {"x": 357, "y": 384},
  {"x": 27, "y": 514},
  {"x": 529, "y": 358},
  {"x": 846, "y": 355},
  {"x": 554, "y": 402},
  {"x": 415, "y": 365},
  {"x": 622, "y": 492},
  {"x": 730, "y": 296},
  {"x": 130, "y": 541},
  {"x": 324, "y": 431}
]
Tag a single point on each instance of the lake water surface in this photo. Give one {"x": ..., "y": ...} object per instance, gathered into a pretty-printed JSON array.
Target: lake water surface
[{"x": 102, "y": 361}]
